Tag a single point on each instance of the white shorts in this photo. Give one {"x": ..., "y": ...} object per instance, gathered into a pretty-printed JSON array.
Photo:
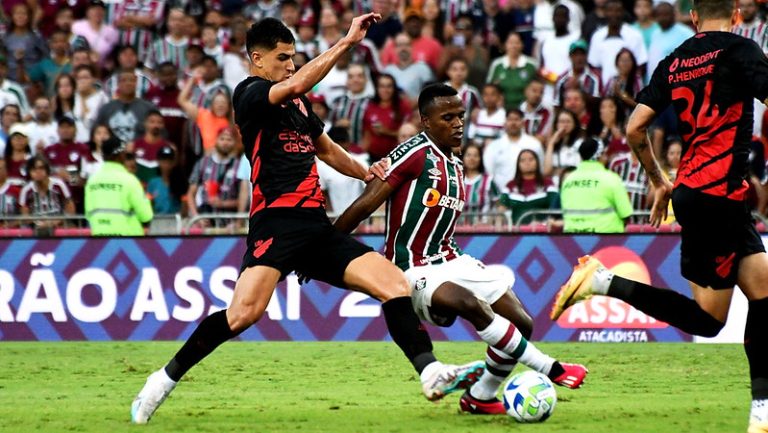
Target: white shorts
[{"x": 488, "y": 283}]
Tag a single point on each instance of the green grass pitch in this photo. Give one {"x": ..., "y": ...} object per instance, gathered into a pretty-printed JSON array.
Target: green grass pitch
[{"x": 360, "y": 387}]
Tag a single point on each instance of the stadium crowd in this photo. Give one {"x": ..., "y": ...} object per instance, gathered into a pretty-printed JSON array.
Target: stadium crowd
[{"x": 548, "y": 86}]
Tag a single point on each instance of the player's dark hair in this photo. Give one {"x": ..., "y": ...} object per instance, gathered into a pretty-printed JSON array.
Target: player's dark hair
[
  {"x": 430, "y": 93},
  {"x": 266, "y": 34},
  {"x": 713, "y": 9}
]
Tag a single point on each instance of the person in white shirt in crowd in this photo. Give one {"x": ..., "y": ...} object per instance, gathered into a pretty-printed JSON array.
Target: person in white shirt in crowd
[
  {"x": 88, "y": 100},
  {"x": 487, "y": 124},
  {"x": 537, "y": 115},
  {"x": 410, "y": 76},
  {"x": 339, "y": 190},
  {"x": 552, "y": 52},
  {"x": 334, "y": 85},
  {"x": 500, "y": 155},
  {"x": 11, "y": 92},
  {"x": 42, "y": 129},
  {"x": 543, "y": 23},
  {"x": 607, "y": 41},
  {"x": 209, "y": 38},
  {"x": 348, "y": 109},
  {"x": 562, "y": 149}
]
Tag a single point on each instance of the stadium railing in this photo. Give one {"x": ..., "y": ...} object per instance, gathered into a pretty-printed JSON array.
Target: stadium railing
[{"x": 76, "y": 225}]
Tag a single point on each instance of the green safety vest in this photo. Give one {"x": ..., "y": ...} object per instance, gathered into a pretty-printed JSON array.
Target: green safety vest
[
  {"x": 115, "y": 203},
  {"x": 594, "y": 200}
]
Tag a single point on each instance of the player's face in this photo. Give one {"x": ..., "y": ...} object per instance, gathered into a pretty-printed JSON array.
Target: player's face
[
  {"x": 445, "y": 121},
  {"x": 276, "y": 65}
]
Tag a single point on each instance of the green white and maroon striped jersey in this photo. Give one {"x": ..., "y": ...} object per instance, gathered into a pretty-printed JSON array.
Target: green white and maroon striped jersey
[{"x": 427, "y": 200}]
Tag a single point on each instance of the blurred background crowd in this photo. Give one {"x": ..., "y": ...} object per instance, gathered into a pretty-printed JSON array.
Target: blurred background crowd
[{"x": 548, "y": 86}]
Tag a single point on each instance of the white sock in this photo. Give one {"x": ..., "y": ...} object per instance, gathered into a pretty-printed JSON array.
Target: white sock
[
  {"x": 166, "y": 379},
  {"x": 502, "y": 335},
  {"x": 601, "y": 280},
  {"x": 429, "y": 370},
  {"x": 498, "y": 365},
  {"x": 759, "y": 411}
]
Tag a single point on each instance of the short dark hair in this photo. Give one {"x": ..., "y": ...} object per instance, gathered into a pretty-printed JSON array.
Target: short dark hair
[
  {"x": 31, "y": 164},
  {"x": 517, "y": 111},
  {"x": 430, "y": 93},
  {"x": 493, "y": 86},
  {"x": 88, "y": 68},
  {"x": 209, "y": 58},
  {"x": 713, "y": 9},
  {"x": 266, "y": 34},
  {"x": 153, "y": 112}
]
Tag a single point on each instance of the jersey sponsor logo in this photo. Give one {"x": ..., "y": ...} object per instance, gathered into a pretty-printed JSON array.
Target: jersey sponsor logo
[
  {"x": 434, "y": 257},
  {"x": 295, "y": 142},
  {"x": 724, "y": 265},
  {"x": 261, "y": 246},
  {"x": 407, "y": 146},
  {"x": 432, "y": 198}
]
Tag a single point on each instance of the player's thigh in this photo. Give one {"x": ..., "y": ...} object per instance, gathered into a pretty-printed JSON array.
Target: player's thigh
[
  {"x": 488, "y": 283},
  {"x": 510, "y": 307},
  {"x": 450, "y": 299},
  {"x": 715, "y": 302},
  {"x": 753, "y": 276},
  {"x": 253, "y": 290},
  {"x": 376, "y": 276}
]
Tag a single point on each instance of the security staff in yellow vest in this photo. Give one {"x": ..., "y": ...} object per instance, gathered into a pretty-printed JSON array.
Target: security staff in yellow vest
[
  {"x": 115, "y": 203},
  {"x": 593, "y": 198}
]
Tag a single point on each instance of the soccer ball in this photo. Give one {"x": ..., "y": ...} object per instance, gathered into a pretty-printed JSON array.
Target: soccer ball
[{"x": 529, "y": 397}]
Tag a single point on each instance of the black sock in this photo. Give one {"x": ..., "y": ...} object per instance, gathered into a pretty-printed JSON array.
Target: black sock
[
  {"x": 208, "y": 335},
  {"x": 666, "y": 305},
  {"x": 408, "y": 332},
  {"x": 756, "y": 346},
  {"x": 556, "y": 370}
]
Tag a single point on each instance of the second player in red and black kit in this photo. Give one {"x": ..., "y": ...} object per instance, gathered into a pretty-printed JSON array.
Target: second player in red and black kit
[{"x": 711, "y": 80}]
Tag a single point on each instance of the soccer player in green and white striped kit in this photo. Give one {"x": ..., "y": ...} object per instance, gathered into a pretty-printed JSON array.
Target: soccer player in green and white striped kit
[{"x": 424, "y": 191}]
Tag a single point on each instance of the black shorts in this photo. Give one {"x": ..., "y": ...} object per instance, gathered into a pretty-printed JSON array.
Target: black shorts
[
  {"x": 716, "y": 234},
  {"x": 303, "y": 240}
]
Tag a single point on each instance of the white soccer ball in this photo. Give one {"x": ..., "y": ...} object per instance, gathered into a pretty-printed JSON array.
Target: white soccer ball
[{"x": 529, "y": 397}]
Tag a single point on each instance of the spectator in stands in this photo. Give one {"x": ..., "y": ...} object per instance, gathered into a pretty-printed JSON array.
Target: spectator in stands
[
  {"x": 210, "y": 84},
  {"x": 480, "y": 189},
  {"x": 579, "y": 76},
  {"x": 99, "y": 134},
  {"x": 17, "y": 152},
  {"x": 347, "y": 110},
  {"x": 537, "y": 115},
  {"x": 211, "y": 45},
  {"x": 423, "y": 48},
  {"x": 553, "y": 51},
  {"x": 127, "y": 59},
  {"x": 384, "y": 115},
  {"x": 613, "y": 127},
  {"x": 500, "y": 156},
  {"x": 334, "y": 84},
  {"x": 67, "y": 158},
  {"x": 627, "y": 82},
  {"x": 487, "y": 124},
  {"x": 631, "y": 172},
  {"x": 365, "y": 52},
  {"x": 213, "y": 185},
  {"x": 575, "y": 101},
  {"x": 44, "y": 195},
  {"x": 44, "y": 72},
  {"x": 339, "y": 190},
  {"x": 137, "y": 21},
  {"x": 164, "y": 96},
  {"x": 497, "y": 24},
  {"x": 102, "y": 37},
  {"x": 669, "y": 35},
  {"x": 290, "y": 13},
  {"x": 146, "y": 148},
  {"x": 171, "y": 47},
  {"x": 410, "y": 75},
  {"x": 467, "y": 44},
  {"x": 563, "y": 146},
  {"x": 321, "y": 109},
  {"x": 607, "y": 41},
  {"x": 126, "y": 113},
  {"x": 42, "y": 129},
  {"x": 23, "y": 46},
  {"x": 645, "y": 24},
  {"x": 593, "y": 198},
  {"x": 434, "y": 21},
  {"x": 307, "y": 42},
  {"x": 11, "y": 92},
  {"x": 209, "y": 121},
  {"x": 329, "y": 31},
  {"x": 529, "y": 190},
  {"x": 512, "y": 72},
  {"x": 522, "y": 17},
  {"x": 673, "y": 150},
  {"x": 388, "y": 26},
  {"x": 88, "y": 101},
  {"x": 544, "y": 25},
  {"x": 194, "y": 57},
  {"x": 63, "y": 96},
  {"x": 115, "y": 202},
  {"x": 752, "y": 26},
  {"x": 166, "y": 188},
  {"x": 9, "y": 114},
  {"x": 457, "y": 71},
  {"x": 406, "y": 131},
  {"x": 82, "y": 56},
  {"x": 9, "y": 192}
]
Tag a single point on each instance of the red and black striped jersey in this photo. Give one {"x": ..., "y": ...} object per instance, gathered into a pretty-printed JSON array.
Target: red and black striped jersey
[
  {"x": 711, "y": 80},
  {"x": 279, "y": 142}
]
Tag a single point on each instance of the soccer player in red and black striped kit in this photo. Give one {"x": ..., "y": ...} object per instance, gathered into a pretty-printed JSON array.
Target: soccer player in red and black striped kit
[
  {"x": 710, "y": 80},
  {"x": 289, "y": 229}
]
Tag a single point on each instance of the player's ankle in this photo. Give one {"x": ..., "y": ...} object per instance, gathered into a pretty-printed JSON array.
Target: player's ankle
[
  {"x": 430, "y": 370},
  {"x": 759, "y": 410},
  {"x": 601, "y": 280}
]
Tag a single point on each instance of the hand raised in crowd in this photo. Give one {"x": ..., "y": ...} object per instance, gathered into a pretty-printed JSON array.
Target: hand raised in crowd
[{"x": 360, "y": 26}]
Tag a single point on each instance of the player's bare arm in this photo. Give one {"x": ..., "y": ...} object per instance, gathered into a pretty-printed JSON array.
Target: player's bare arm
[
  {"x": 314, "y": 71},
  {"x": 376, "y": 193},
  {"x": 340, "y": 160},
  {"x": 637, "y": 136}
]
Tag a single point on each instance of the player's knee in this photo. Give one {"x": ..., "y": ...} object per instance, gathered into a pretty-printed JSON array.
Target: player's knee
[
  {"x": 477, "y": 311},
  {"x": 525, "y": 326},
  {"x": 395, "y": 287},
  {"x": 240, "y": 318}
]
